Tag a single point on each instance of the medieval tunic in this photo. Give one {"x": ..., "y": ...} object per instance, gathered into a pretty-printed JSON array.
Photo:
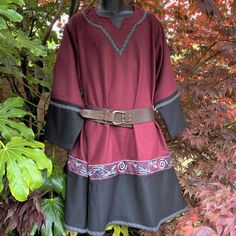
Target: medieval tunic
[{"x": 115, "y": 175}]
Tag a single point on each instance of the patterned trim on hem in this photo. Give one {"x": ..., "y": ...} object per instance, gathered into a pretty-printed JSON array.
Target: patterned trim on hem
[
  {"x": 113, "y": 43},
  {"x": 104, "y": 171},
  {"x": 124, "y": 223}
]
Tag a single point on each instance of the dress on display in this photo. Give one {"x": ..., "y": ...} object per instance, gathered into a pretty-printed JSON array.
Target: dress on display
[{"x": 115, "y": 175}]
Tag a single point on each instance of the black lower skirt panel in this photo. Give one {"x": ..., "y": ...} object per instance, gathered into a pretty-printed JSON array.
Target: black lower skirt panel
[{"x": 143, "y": 202}]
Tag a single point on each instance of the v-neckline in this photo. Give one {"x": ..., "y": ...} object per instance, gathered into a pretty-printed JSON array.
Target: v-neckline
[
  {"x": 125, "y": 18},
  {"x": 112, "y": 33}
]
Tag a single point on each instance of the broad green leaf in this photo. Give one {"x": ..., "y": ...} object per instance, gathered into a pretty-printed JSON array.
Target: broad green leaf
[
  {"x": 124, "y": 230},
  {"x": 17, "y": 2},
  {"x": 44, "y": 82},
  {"x": 3, "y": 24},
  {"x": 7, "y": 36},
  {"x": 54, "y": 217},
  {"x": 109, "y": 227},
  {"x": 12, "y": 108},
  {"x": 7, "y": 40},
  {"x": 11, "y": 70},
  {"x": 34, "y": 46},
  {"x": 23, "y": 161},
  {"x": 8, "y": 50},
  {"x": 56, "y": 181},
  {"x": 118, "y": 229},
  {"x": 10, "y": 14},
  {"x": 51, "y": 45}
]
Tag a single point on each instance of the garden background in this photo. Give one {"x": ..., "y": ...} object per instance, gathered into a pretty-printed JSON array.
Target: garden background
[{"x": 202, "y": 41}]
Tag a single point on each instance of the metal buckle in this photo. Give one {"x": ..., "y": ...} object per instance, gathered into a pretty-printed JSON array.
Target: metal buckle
[{"x": 118, "y": 123}]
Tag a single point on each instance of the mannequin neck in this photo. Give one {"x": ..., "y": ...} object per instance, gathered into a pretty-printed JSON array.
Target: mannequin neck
[{"x": 113, "y": 8}]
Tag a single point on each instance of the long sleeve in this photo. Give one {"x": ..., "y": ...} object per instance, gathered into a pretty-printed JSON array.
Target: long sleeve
[
  {"x": 63, "y": 121},
  {"x": 166, "y": 98}
]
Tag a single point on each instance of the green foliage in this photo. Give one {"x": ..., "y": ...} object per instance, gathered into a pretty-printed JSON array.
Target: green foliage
[
  {"x": 9, "y": 56},
  {"x": 14, "y": 41},
  {"x": 53, "y": 211},
  {"x": 7, "y": 47},
  {"x": 118, "y": 229},
  {"x": 56, "y": 181},
  {"x": 10, "y": 14},
  {"x": 23, "y": 160},
  {"x": 17, "y": 2},
  {"x": 33, "y": 46},
  {"x": 12, "y": 45},
  {"x": 24, "y": 167},
  {"x": 10, "y": 109},
  {"x": 52, "y": 207},
  {"x": 8, "y": 11}
]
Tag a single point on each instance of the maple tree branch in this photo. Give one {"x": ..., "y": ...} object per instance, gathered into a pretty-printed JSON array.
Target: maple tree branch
[
  {"x": 74, "y": 7},
  {"x": 220, "y": 81},
  {"x": 14, "y": 86},
  {"x": 200, "y": 63},
  {"x": 49, "y": 12},
  {"x": 49, "y": 29}
]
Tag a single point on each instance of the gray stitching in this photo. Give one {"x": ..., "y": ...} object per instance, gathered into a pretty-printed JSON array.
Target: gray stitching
[
  {"x": 118, "y": 50},
  {"x": 167, "y": 102},
  {"x": 124, "y": 223},
  {"x": 65, "y": 106}
]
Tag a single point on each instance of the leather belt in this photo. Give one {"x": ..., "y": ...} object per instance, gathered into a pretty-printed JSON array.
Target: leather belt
[{"x": 125, "y": 118}]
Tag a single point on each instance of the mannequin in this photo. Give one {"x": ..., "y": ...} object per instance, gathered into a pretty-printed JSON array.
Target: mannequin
[{"x": 116, "y": 10}]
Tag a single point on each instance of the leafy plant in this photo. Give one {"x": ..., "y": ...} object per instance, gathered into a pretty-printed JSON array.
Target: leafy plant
[
  {"x": 20, "y": 159},
  {"x": 23, "y": 161},
  {"x": 9, "y": 110},
  {"x": 118, "y": 229},
  {"x": 8, "y": 10},
  {"x": 53, "y": 211}
]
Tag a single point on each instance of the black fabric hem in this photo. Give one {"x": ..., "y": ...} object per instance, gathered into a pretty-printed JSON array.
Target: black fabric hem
[
  {"x": 128, "y": 224},
  {"x": 54, "y": 139},
  {"x": 132, "y": 199}
]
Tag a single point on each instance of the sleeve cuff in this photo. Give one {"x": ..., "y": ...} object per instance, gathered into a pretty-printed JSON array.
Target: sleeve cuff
[
  {"x": 172, "y": 113},
  {"x": 63, "y": 123}
]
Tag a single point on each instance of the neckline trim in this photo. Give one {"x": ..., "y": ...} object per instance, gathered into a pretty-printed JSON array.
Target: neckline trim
[{"x": 121, "y": 49}]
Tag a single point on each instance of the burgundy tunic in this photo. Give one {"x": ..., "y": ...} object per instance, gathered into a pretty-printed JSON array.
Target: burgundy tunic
[{"x": 115, "y": 175}]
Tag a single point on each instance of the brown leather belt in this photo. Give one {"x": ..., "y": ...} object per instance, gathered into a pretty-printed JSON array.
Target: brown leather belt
[{"x": 125, "y": 118}]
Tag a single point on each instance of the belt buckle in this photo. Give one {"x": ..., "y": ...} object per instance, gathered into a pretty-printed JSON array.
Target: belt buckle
[{"x": 115, "y": 112}]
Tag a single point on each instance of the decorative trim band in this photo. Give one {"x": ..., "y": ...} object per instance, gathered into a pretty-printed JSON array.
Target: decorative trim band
[
  {"x": 167, "y": 101},
  {"x": 104, "y": 171},
  {"x": 113, "y": 43}
]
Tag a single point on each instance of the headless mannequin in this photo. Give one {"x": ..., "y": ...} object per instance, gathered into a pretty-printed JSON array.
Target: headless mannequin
[{"x": 116, "y": 10}]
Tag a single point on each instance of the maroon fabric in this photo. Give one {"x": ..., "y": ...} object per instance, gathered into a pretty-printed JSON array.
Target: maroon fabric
[
  {"x": 88, "y": 73},
  {"x": 122, "y": 68}
]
